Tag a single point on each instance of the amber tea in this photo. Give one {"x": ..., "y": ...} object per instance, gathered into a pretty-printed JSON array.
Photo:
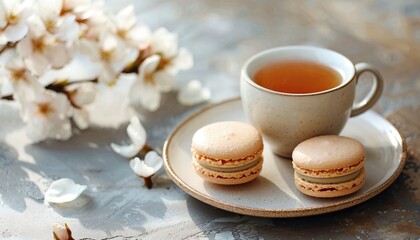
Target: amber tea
[{"x": 297, "y": 77}]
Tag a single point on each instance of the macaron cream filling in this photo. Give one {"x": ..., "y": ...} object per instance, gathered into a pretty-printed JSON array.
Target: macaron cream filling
[
  {"x": 231, "y": 169},
  {"x": 331, "y": 180}
]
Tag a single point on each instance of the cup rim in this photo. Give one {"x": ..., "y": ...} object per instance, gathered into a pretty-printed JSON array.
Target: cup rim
[{"x": 264, "y": 52}]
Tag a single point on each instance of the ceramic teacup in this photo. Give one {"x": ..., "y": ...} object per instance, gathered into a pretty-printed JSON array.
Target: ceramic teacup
[{"x": 286, "y": 119}]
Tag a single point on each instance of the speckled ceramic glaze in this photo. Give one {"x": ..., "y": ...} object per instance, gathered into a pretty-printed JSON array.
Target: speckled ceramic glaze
[{"x": 286, "y": 119}]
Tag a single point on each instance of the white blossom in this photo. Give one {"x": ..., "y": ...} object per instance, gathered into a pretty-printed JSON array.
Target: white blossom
[
  {"x": 157, "y": 72},
  {"x": 13, "y": 15},
  {"x": 150, "y": 165},
  {"x": 18, "y": 75},
  {"x": 47, "y": 116},
  {"x": 91, "y": 17},
  {"x": 126, "y": 28},
  {"x": 81, "y": 118},
  {"x": 42, "y": 50},
  {"x": 25, "y": 85},
  {"x": 165, "y": 44},
  {"x": 81, "y": 94},
  {"x": 111, "y": 54},
  {"x": 150, "y": 83},
  {"x": 64, "y": 190},
  {"x": 63, "y": 27},
  {"x": 137, "y": 135},
  {"x": 193, "y": 93},
  {"x": 76, "y": 7}
]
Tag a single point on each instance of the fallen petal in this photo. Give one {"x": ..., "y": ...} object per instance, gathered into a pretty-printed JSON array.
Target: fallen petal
[
  {"x": 137, "y": 135},
  {"x": 153, "y": 160},
  {"x": 64, "y": 190},
  {"x": 136, "y": 132},
  {"x": 194, "y": 93},
  {"x": 127, "y": 151}
]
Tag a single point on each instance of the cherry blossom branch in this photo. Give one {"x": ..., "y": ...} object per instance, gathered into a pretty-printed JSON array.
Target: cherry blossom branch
[
  {"x": 9, "y": 45},
  {"x": 57, "y": 86}
]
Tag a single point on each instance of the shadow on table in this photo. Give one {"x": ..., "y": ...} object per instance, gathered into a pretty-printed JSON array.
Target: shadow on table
[
  {"x": 15, "y": 185},
  {"x": 115, "y": 198}
]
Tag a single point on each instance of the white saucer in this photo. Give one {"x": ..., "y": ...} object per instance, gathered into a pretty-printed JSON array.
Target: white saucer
[{"x": 273, "y": 193}]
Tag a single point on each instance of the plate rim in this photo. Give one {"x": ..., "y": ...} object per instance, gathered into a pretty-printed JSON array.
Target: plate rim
[{"x": 278, "y": 213}]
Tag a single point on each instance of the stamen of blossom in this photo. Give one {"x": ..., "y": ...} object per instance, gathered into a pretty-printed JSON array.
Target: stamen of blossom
[
  {"x": 48, "y": 116},
  {"x": 111, "y": 54},
  {"x": 13, "y": 16},
  {"x": 126, "y": 28},
  {"x": 42, "y": 50}
]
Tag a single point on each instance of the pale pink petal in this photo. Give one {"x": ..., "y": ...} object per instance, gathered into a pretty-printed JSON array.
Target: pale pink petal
[
  {"x": 136, "y": 132},
  {"x": 3, "y": 14},
  {"x": 36, "y": 27},
  {"x": 140, "y": 168},
  {"x": 60, "y": 232},
  {"x": 146, "y": 95},
  {"x": 81, "y": 118},
  {"x": 125, "y": 19},
  {"x": 3, "y": 39},
  {"x": 127, "y": 151},
  {"x": 68, "y": 30},
  {"x": 122, "y": 56},
  {"x": 138, "y": 36},
  {"x": 149, "y": 65},
  {"x": 138, "y": 137},
  {"x": 164, "y": 81},
  {"x": 52, "y": 124},
  {"x": 24, "y": 47},
  {"x": 82, "y": 93},
  {"x": 89, "y": 48},
  {"x": 49, "y": 9},
  {"x": 182, "y": 61},
  {"x": 38, "y": 63},
  {"x": 36, "y": 129},
  {"x": 64, "y": 190},
  {"x": 108, "y": 43},
  {"x": 58, "y": 55},
  {"x": 16, "y": 32},
  {"x": 152, "y": 159},
  {"x": 164, "y": 43},
  {"x": 107, "y": 74},
  {"x": 150, "y": 98}
]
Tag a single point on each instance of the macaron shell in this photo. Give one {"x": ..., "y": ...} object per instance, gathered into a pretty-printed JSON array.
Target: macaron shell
[
  {"x": 224, "y": 178},
  {"x": 226, "y": 163},
  {"x": 330, "y": 190},
  {"x": 327, "y": 173},
  {"x": 227, "y": 140},
  {"x": 328, "y": 152}
]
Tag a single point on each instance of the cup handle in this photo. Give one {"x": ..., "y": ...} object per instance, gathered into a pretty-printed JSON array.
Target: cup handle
[{"x": 375, "y": 92}]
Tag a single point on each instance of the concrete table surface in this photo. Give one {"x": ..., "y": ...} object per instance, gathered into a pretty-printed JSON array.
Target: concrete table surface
[{"x": 221, "y": 36}]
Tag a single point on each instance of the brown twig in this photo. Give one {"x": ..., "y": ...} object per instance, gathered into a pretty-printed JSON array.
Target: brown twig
[
  {"x": 148, "y": 182},
  {"x": 57, "y": 86},
  {"x": 8, "y": 46}
]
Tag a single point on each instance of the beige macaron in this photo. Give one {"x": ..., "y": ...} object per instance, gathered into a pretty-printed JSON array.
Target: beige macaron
[
  {"x": 227, "y": 153},
  {"x": 329, "y": 166}
]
